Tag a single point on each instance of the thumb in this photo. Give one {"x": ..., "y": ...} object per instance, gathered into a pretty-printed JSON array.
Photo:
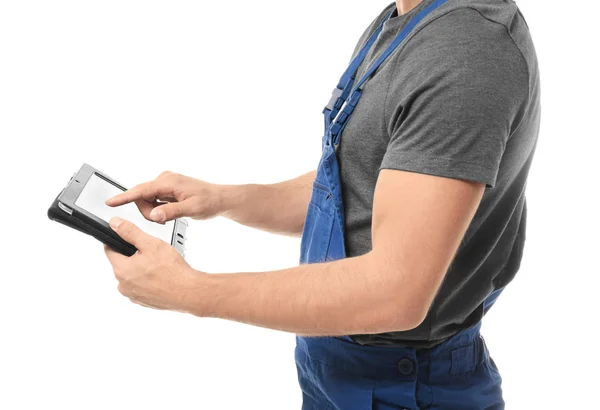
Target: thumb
[
  {"x": 130, "y": 232},
  {"x": 167, "y": 212}
]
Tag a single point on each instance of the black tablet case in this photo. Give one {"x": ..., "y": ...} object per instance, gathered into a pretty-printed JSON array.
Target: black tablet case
[
  {"x": 82, "y": 223},
  {"x": 65, "y": 211}
]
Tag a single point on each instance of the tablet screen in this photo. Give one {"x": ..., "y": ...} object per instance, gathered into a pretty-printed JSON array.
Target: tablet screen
[{"x": 98, "y": 190}]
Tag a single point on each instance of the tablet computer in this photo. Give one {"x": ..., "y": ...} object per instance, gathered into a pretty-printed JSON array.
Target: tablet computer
[{"x": 81, "y": 206}]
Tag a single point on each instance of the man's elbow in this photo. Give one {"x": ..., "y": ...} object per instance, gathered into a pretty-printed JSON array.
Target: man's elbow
[
  {"x": 404, "y": 316},
  {"x": 394, "y": 316},
  {"x": 402, "y": 301},
  {"x": 404, "y": 306}
]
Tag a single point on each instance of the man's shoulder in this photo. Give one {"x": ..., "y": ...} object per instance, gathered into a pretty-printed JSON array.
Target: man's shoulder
[
  {"x": 477, "y": 32},
  {"x": 501, "y": 12},
  {"x": 486, "y": 24},
  {"x": 474, "y": 17}
]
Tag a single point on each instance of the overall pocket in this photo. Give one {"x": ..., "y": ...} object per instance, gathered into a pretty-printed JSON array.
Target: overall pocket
[
  {"x": 318, "y": 225},
  {"x": 316, "y": 235}
]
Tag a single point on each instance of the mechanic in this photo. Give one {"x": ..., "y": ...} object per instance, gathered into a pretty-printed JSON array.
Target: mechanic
[{"x": 411, "y": 226}]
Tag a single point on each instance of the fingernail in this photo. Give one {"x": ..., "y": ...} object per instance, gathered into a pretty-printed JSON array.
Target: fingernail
[
  {"x": 115, "y": 222},
  {"x": 157, "y": 215}
]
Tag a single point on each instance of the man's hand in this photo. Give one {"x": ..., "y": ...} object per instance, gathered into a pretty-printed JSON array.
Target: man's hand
[
  {"x": 278, "y": 208},
  {"x": 156, "y": 275},
  {"x": 172, "y": 196}
]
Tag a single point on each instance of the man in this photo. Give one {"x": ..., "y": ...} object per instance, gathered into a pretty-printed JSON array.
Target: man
[{"x": 411, "y": 226}]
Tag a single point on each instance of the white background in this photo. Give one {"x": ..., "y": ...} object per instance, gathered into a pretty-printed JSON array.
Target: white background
[{"x": 232, "y": 92}]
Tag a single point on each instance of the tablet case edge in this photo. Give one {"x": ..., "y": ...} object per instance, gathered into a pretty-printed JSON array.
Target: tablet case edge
[{"x": 88, "y": 226}]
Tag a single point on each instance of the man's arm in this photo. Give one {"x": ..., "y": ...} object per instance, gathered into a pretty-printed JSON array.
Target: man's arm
[
  {"x": 418, "y": 223},
  {"x": 277, "y": 208}
]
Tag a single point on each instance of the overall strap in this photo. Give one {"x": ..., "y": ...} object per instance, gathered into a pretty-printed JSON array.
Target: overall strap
[
  {"x": 339, "y": 122},
  {"x": 341, "y": 92}
]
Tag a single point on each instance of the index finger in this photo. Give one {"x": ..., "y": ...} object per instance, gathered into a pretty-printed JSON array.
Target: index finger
[{"x": 146, "y": 191}]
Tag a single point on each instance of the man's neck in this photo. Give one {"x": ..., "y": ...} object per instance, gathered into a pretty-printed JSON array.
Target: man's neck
[{"x": 404, "y": 6}]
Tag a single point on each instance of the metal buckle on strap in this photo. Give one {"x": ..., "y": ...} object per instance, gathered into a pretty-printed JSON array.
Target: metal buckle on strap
[
  {"x": 336, "y": 101},
  {"x": 339, "y": 123}
]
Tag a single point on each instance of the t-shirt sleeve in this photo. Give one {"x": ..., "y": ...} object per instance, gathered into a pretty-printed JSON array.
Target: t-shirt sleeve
[{"x": 458, "y": 92}]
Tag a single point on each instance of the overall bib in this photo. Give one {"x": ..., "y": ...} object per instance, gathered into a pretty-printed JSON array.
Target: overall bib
[{"x": 337, "y": 373}]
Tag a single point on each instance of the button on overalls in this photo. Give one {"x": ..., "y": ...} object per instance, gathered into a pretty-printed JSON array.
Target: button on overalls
[{"x": 337, "y": 373}]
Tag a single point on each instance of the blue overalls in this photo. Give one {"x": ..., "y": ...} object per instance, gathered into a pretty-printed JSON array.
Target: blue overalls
[{"x": 337, "y": 373}]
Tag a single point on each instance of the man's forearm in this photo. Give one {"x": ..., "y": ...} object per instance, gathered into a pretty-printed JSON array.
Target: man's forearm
[
  {"x": 349, "y": 296},
  {"x": 277, "y": 208}
]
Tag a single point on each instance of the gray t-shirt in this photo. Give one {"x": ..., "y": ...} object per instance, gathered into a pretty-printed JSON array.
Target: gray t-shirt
[{"x": 460, "y": 98}]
